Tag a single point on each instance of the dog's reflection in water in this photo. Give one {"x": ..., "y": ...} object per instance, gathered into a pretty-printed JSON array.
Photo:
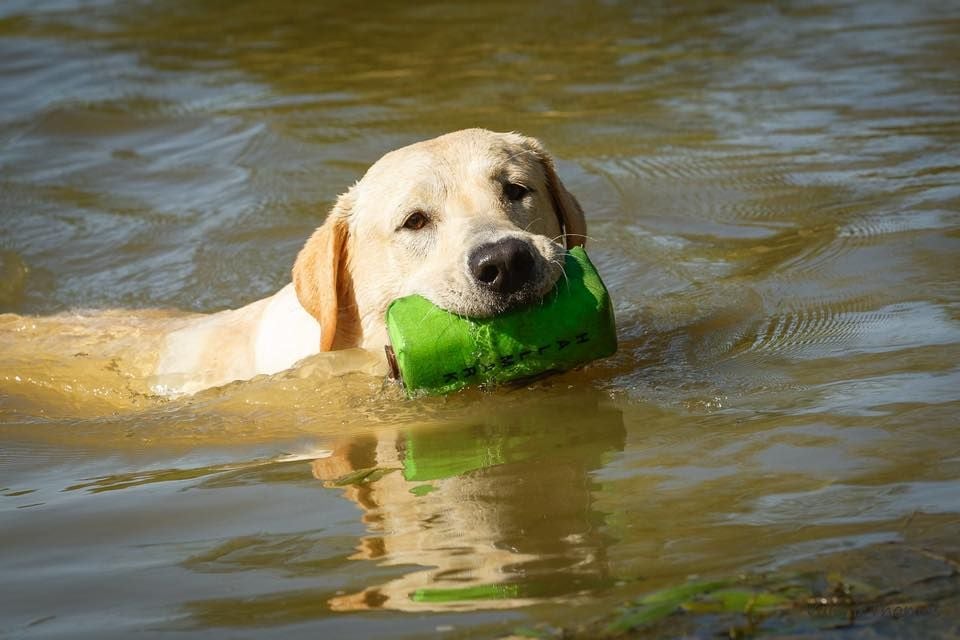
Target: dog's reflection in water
[{"x": 495, "y": 513}]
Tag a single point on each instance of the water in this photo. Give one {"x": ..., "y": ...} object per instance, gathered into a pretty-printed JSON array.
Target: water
[{"x": 773, "y": 200}]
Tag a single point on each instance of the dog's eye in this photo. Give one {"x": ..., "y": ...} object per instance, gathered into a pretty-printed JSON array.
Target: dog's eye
[
  {"x": 416, "y": 221},
  {"x": 515, "y": 191}
]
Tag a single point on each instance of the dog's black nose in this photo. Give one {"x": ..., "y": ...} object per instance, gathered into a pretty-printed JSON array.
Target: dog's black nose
[{"x": 503, "y": 266}]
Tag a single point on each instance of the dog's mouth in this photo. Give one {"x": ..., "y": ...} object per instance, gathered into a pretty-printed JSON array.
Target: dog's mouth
[
  {"x": 489, "y": 306},
  {"x": 480, "y": 304}
]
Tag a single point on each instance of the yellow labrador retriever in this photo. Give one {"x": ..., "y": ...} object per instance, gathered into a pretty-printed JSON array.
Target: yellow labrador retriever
[{"x": 475, "y": 221}]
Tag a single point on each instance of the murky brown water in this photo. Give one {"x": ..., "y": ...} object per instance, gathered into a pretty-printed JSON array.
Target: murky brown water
[{"x": 774, "y": 202}]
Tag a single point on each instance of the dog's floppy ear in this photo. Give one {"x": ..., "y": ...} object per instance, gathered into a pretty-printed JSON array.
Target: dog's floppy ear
[
  {"x": 573, "y": 225},
  {"x": 321, "y": 275}
]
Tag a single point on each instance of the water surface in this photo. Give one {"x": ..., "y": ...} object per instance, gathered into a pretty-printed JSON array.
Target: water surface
[{"x": 773, "y": 198}]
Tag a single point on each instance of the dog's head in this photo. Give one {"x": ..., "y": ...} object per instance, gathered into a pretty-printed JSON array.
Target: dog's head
[{"x": 476, "y": 222}]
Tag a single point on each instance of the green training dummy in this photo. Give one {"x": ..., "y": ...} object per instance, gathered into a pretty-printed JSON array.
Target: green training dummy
[{"x": 435, "y": 351}]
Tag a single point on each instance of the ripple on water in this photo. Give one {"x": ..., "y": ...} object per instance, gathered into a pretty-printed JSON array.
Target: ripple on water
[
  {"x": 855, "y": 504},
  {"x": 736, "y": 194},
  {"x": 855, "y": 245},
  {"x": 847, "y": 327},
  {"x": 874, "y": 226}
]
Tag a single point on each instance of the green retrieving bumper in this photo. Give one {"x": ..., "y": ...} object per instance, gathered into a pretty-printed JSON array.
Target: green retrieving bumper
[{"x": 439, "y": 352}]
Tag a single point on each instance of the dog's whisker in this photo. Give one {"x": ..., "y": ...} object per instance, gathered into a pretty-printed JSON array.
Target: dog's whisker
[
  {"x": 430, "y": 310},
  {"x": 562, "y": 268},
  {"x": 572, "y": 235}
]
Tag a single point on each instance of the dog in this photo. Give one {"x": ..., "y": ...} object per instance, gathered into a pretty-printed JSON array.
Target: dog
[{"x": 475, "y": 221}]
